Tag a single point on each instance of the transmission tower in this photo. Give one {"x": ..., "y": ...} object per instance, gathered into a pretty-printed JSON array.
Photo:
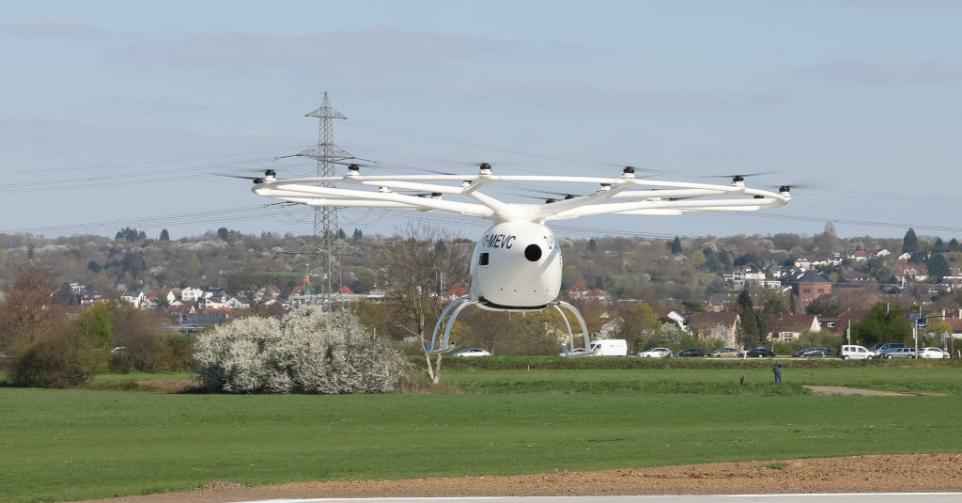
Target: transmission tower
[{"x": 326, "y": 153}]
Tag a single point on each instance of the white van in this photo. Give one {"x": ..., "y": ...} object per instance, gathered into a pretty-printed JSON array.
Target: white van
[
  {"x": 854, "y": 352},
  {"x": 609, "y": 347}
]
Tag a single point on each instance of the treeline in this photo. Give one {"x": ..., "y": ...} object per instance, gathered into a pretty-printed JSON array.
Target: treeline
[{"x": 640, "y": 268}]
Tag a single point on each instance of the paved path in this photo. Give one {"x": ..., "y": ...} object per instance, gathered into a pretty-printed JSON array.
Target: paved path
[{"x": 728, "y": 498}]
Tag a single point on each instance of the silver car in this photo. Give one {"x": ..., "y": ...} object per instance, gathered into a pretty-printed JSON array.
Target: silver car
[{"x": 898, "y": 353}]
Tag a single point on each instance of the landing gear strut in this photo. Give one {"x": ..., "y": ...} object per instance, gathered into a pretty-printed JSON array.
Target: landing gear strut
[{"x": 450, "y": 313}]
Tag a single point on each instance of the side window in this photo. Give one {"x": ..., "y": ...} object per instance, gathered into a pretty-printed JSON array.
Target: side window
[{"x": 483, "y": 259}]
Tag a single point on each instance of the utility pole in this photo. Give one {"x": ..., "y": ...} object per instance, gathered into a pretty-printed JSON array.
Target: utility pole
[{"x": 327, "y": 154}]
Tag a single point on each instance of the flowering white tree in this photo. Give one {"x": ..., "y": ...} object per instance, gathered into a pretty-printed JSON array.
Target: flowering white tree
[{"x": 306, "y": 351}]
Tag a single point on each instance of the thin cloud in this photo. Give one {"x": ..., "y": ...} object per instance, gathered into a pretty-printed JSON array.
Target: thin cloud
[
  {"x": 887, "y": 72},
  {"x": 371, "y": 47},
  {"x": 52, "y": 28}
]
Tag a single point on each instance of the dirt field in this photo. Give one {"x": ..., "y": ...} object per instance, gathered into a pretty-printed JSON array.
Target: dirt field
[{"x": 928, "y": 472}]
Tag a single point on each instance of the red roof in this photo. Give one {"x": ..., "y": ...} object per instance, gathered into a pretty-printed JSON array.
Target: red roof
[
  {"x": 457, "y": 291},
  {"x": 346, "y": 290}
]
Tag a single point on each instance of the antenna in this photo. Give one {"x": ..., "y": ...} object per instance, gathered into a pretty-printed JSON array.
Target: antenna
[{"x": 325, "y": 217}]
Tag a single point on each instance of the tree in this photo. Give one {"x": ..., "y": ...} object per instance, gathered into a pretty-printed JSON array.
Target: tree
[
  {"x": 884, "y": 323},
  {"x": 46, "y": 349},
  {"x": 27, "y": 311},
  {"x": 254, "y": 287},
  {"x": 938, "y": 267},
  {"x": 675, "y": 246},
  {"x": 420, "y": 272},
  {"x": 130, "y": 234},
  {"x": 341, "y": 234},
  {"x": 164, "y": 235},
  {"x": 825, "y": 305},
  {"x": 953, "y": 245},
  {"x": 749, "y": 318},
  {"x": 910, "y": 243},
  {"x": 637, "y": 322},
  {"x": 306, "y": 351},
  {"x": 224, "y": 234},
  {"x": 939, "y": 246},
  {"x": 94, "y": 266},
  {"x": 366, "y": 279},
  {"x": 358, "y": 235}
]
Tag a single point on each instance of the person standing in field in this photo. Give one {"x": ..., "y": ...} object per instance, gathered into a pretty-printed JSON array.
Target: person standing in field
[{"x": 777, "y": 370}]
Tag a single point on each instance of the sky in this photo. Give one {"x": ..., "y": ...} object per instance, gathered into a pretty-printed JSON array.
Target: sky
[{"x": 118, "y": 113}]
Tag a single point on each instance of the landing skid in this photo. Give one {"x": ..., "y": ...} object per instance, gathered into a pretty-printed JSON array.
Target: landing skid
[{"x": 450, "y": 313}]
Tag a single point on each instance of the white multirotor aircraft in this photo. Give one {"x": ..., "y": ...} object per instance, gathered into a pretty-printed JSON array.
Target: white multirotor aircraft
[{"x": 516, "y": 265}]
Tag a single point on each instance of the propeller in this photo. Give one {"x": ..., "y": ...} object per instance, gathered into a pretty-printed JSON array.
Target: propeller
[
  {"x": 566, "y": 195},
  {"x": 256, "y": 179},
  {"x": 740, "y": 177},
  {"x": 788, "y": 187}
]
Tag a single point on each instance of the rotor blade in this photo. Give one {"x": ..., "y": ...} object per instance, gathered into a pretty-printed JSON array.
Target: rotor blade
[
  {"x": 242, "y": 177},
  {"x": 803, "y": 186},
  {"x": 743, "y": 175}
]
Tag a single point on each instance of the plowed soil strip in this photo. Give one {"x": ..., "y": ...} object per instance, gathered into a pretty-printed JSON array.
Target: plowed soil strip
[{"x": 895, "y": 473}]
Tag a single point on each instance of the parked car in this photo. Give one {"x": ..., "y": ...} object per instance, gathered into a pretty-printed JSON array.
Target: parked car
[
  {"x": 609, "y": 347},
  {"x": 933, "y": 353},
  {"x": 656, "y": 353},
  {"x": 816, "y": 353},
  {"x": 855, "y": 352},
  {"x": 897, "y": 353},
  {"x": 880, "y": 348},
  {"x": 575, "y": 352},
  {"x": 691, "y": 352},
  {"x": 798, "y": 354},
  {"x": 726, "y": 353},
  {"x": 472, "y": 352},
  {"x": 760, "y": 352}
]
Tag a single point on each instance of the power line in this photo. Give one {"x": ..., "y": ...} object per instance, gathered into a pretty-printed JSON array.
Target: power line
[{"x": 156, "y": 112}]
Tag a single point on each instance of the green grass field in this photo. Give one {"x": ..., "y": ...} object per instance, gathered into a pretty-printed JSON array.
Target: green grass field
[{"x": 72, "y": 444}]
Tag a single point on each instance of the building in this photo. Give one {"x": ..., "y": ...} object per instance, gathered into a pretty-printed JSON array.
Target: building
[
  {"x": 811, "y": 286},
  {"x": 791, "y": 327},
  {"x": 720, "y": 326},
  {"x": 191, "y": 294}
]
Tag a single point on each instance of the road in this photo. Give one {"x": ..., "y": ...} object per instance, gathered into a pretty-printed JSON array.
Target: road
[{"x": 728, "y": 498}]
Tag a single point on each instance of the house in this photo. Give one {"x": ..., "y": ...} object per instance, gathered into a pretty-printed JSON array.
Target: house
[
  {"x": 133, "y": 297},
  {"x": 905, "y": 257},
  {"x": 858, "y": 256},
  {"x": 840, "y": 323},
  {"x": 720, "y": 326},
  {"x": 811, "y": 286},
  {"x": 791, "y": 327},
  {"x": 883, "y": 253},
  {"x": 191, "y": 294},
  {"x": 911, "y": 272},
  {"x": 717, "y": 302},
  {"x": 673, "y": 317}
]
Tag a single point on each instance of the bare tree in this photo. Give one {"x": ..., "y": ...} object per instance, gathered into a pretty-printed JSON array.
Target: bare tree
[
  {"x": 423, "y": 262},
  {"x": 28, "y": 309}
]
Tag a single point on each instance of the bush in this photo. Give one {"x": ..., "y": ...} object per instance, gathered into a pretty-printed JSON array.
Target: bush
[
  {"x": 306, "y": 351},
  {"x": 56, "y": 361}
]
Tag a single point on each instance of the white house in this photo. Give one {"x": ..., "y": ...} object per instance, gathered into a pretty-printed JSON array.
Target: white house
[
  {"x": 135, "y": 297},
  {"x": 190, "y": 294},
  {"x": 791, "y": 327},
  {"x": 883, "y": 253}
]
